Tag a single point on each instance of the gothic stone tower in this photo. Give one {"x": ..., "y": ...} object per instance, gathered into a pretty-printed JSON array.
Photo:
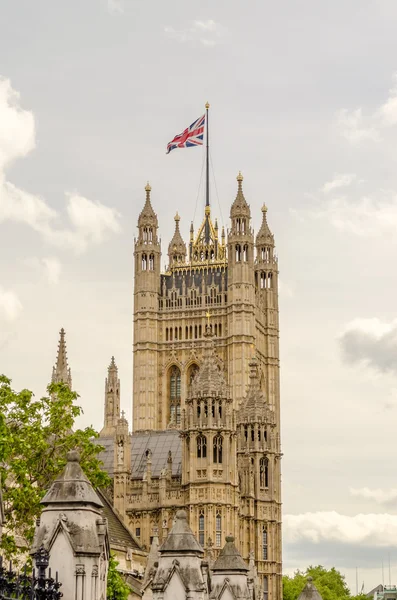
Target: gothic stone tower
[{"x": 206, "y": 368}]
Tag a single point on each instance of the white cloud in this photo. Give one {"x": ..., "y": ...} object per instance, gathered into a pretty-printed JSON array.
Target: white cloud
[
  {"x": 207, "y": 33},
  {"x": 374, "y": 530},
  {"x": 382, "y": 497},
  {"x": 89, "y": 222},
  {"x": 10, "y": 305},
  {"x": 338, "y": 181},
  {"x": 388, "y": 111},
  {"x": 356, "y": 127},
  {"x": 50, "y": 267},
  {"x": 363, "y": 216},
  {"x": 116, "y": 7},
  {"x": 370, "y": 342}
]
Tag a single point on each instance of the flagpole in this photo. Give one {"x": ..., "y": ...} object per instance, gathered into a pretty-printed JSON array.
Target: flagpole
[
  {"x": 207, "y": 181},
  {"x": 207, "y": 188}
]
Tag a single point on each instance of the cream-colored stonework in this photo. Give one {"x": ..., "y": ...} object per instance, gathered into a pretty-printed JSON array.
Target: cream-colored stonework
[{"x": 206, "y": 398}]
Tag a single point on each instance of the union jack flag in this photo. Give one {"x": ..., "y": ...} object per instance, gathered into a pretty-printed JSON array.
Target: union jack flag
[{"x": 192, "y": 136}]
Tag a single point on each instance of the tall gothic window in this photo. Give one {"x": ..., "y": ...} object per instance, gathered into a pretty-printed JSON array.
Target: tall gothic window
[
  {"x": 218, "y": 529},
  {"x": 175, "y": 395},
  {"x": 264, "y": 543},
  {"x": 264, "y": 472},
  {"x": 151, "y": 262},
  {"x": 144, "y": 262},
  {"x": 201, "y": 446},
  {"x": 201, "y": 528},
  {"x": 218, "y": 442},
  {"x": 265, "y": 587}
]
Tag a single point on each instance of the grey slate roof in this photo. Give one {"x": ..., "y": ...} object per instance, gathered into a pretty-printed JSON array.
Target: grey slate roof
[
  {"x": 310, "y": 592},
  {"x": 72, "y": 486},
  {"x": 119, "y": 535},
  {"x": 181, "y": 538},
  {"x": 229, "y": 558},
  {"x": 159, "y": 442}
]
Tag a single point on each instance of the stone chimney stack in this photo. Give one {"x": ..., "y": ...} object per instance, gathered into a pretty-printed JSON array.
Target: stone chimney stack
[{"x": 73, "y": 530}]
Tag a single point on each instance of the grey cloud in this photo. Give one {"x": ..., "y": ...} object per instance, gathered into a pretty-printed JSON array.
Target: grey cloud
[{"x": 371, "y": 342}]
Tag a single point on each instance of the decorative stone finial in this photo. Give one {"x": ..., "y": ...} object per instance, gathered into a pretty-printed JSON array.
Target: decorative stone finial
[
  {"x": 207, "y": 105},
  {"x": 264, "y": 208},
  {"x": 239, "y": 177},
  {"x": 177, "y": 218},
  {"x": 148, "y": 188},
  {"x": 181, "y": 515},
  {"x": 73, "y": 456},
  {"x": 229, "y": 538}
]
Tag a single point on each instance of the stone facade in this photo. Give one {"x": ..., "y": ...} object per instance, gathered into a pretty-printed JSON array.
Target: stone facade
[
  {"x": 206, "y": 401},
  {"x": 74, "y": 531},
  {"x": 206, "y": 397}
]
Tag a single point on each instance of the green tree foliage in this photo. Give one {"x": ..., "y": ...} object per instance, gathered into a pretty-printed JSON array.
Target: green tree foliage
[
  {"x": 35, "y": 437},
  {"x": 117, "y": 588},
  {"x": 330, "y": 583}
]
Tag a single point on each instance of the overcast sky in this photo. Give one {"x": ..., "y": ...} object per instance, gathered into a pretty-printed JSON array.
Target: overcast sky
[{"x": 304, "y": 101}]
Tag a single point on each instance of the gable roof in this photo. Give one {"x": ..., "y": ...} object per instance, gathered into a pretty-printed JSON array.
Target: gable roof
[{"x": 119, "y": 534}]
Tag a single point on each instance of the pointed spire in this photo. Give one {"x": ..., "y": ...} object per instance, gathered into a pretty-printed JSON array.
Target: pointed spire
[
  {"x": 254, "y": 406},
  {"x": 61, "y": 371},
  {"x": 148, "y": 216},
  {"x": 229, "y": 558},
  {"x": 265, "y": 236},
  {"x": 181, "y": 538},
  {"x": 209, "y": 379},
  {"x": 240, "y": 207},
  {"x": 177, "y": 247},
  {"x": 310, "y": 592}
]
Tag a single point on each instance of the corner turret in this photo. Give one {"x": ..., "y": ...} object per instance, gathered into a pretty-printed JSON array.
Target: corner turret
[{"x": 177, "y": 247}]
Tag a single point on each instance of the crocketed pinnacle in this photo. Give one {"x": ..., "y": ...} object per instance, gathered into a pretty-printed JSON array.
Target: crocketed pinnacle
[
  {"x": 240, "y": 207},
  {"x": 112, "y": 366},
  {"x": 265, "y": 236},
  {"x": 147, "y": 216},
  {"x": 61, "y": 371},
  {"x": 254, "y": 407},
  {"x": 177, "y": 246},
  {"x": 209, "y": 380}
]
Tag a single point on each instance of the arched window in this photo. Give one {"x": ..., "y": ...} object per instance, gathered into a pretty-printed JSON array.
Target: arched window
[
  {"x": 144, "y": 262},
  {"x": 218, "y": 528},
  {"x": 238, "y": 253},
  {"x": 264, "y": 543},
  {"x": 150, "y": 234},
  {"x": 145, "y": 236},
  {"x": 151, "y": 262},
  {"x": 264, "y": 472},
  {"x": 201, "y": 446},
  {"x": 265, "y": 588},
  {"x": 245, "y": 253},
  {"x": 175, "y": 395},
  {"x": 201, "y": 528},
  {"x": 218, "y": 442}
]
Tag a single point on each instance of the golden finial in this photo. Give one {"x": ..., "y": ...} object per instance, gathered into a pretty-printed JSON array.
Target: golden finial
[
  {"x": 239, "y": 177},
  {"x": 148, "y": 188},
  {"x": 264, "y": 208},
  {"x": 207, "y": 105},
  {"x": 177, "y": 218},
  {"x": 207, "y": 210}
]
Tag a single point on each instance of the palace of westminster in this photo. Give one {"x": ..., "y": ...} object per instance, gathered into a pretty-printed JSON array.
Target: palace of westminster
[{"x": 206, "y": 400}]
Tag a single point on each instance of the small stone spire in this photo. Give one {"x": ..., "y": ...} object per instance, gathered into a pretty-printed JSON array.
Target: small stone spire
[
  {"x": 177, "y": 247},
  {"x": 147, "y": 216},
  {"x": 240, "y": 207},
  {"x": 61, "y": 371},
  {"x": 264, "y": 235},
  {"x": 310, "y": 592},
  {"x": 112, "y": 400}
]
